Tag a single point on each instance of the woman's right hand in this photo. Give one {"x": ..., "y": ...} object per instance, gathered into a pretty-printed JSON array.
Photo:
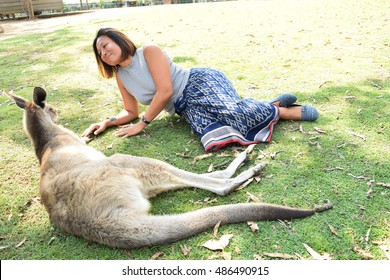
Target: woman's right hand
[{"x": 96, "y": 128}]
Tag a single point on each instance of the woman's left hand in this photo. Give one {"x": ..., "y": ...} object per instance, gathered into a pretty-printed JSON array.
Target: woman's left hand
[{"x": 131, "y": 130}]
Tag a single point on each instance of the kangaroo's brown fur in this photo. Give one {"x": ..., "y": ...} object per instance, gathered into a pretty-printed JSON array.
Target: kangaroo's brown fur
[{"x": 105, "y": 199}]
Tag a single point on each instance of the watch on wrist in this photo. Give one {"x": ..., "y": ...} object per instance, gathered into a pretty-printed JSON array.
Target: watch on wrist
[
  {"x": 112, "y": 119},
  {"x": 145, "y": 120}
]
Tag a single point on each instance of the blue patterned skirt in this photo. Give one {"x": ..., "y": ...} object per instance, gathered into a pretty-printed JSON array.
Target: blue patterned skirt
[{"x": 212, "y": 108}]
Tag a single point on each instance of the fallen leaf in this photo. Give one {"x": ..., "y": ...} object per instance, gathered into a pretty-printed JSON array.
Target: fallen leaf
[
  {"x": 221, "y": 165},
  {"x": 313, "y": 253},
  {"x": 252, "y": 197},
  {"x": 221, "y": 255},
  {"x": 273, "y": 155},
  {"x": 157, "y": 255},
  {"x": 316, "y": 255},
  {"x": 357, "y": 135},
  {"x": 313, "y": 133},
  {"x": 298, "y": 155},
  {"x": 367, "y": 236},
  {"x": 319, "y": 130},
  {"x": 227, "y": 256},
  {"x": 245, "y": 184},
  {"x": 51, "y": 240},
  {"x": 216, "y": 228},
  {"x": 333, "y": 230},
  {"x": 209, "y": 201},
  {"x": 183, "y": 155},
  {"x": 202, "y": 157},
  {"x": 237, "y": 250},
  {"x": 376, "y": 85},
  {"x": 357, "y": 177},
  {"x": 364, "y": 254},
  {"x": 21, "y": 243},
  {"x": 332, "y": 168},
  {"x": 342, "y": 145},
  {"x": 369, "y": 192},
  {"x": 4, "y": 247},
  {"x": 325, "y": 83},
  {"x": 386, "y": 249},
  {"x": 218, "y": 245},
  {"x": 387, "y": 185},
  {"x": 286, "y": 225},
  {"x": 313, "y": 143},
  {"x": 184, "y": 249},
  {"x": 299, "y": 256},
  {"x": 278, "y": 255},
  {"x": 223, "y": 154},
  {"x": 261, "y": 156},
  {"x": 253, "y": 225}
]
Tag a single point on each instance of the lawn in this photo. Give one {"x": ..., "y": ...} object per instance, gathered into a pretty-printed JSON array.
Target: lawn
[{"x": 332, "y": 54}]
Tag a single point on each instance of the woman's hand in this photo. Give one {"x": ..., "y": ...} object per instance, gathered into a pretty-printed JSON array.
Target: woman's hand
[
  {"x": 131, "y": 130},
  {"x": 96, "y": 128}
]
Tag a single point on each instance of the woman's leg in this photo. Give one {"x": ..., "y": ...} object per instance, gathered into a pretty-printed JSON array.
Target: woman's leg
[
  {"x": 212, "y": 107},
  {"x": 298, "y": 113},
  {"x": 290, "y": 113}
]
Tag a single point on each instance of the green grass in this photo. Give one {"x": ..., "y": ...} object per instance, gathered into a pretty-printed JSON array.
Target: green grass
[{"x": 336, "y": 60}]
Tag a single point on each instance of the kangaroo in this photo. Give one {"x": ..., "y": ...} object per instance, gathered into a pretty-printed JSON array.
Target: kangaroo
[{"x": 105, "y": 199}]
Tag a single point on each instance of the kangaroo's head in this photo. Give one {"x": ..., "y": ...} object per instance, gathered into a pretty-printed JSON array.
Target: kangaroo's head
[{"x": 38, "y": 117}]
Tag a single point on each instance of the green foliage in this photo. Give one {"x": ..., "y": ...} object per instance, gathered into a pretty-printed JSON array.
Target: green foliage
[{"x": 343, "y": 157}]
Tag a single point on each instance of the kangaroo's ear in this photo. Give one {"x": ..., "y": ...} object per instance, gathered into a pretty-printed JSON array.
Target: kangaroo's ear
[
  {"x": 39, "y": 97},
  {"x": 20, "y": 101}
]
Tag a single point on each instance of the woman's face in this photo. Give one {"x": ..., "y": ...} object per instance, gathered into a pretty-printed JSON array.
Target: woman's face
[{"x": 109, "y": 51}]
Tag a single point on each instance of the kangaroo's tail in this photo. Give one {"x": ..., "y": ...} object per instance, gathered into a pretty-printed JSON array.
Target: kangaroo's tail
[{"x": 148, "y": 230}]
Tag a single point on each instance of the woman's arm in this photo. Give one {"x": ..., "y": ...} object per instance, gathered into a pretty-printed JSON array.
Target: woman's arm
[
  {"x": 130, "y": 105},
  {"x": 158, "y": 65}
]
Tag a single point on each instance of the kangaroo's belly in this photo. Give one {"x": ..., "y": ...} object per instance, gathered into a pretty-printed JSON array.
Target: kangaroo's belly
[{"x": 76, "y": 190}]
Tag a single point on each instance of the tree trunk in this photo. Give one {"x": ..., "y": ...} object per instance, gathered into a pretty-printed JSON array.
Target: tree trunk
[{"x": 30, "y": 9}]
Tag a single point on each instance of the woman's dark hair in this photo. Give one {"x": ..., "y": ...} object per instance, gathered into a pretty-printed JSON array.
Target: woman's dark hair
[{"x": 126, "y": 45}]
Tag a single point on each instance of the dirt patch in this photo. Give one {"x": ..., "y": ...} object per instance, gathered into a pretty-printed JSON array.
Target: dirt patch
[{"x": 40, "y": 25}]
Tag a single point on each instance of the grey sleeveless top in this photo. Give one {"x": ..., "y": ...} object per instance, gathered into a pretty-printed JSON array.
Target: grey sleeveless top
[{"x": 138, "y": 81}]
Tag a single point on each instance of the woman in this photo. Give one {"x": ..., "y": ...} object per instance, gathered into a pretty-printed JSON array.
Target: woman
[{"x": 204, "y": 97}]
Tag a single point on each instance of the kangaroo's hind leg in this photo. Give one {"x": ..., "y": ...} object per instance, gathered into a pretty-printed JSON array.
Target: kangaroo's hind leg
[
  {"x": 174, "y": 178},
  {"x": 158, "y": 176},
  {"x": 233, "y": 166}
]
